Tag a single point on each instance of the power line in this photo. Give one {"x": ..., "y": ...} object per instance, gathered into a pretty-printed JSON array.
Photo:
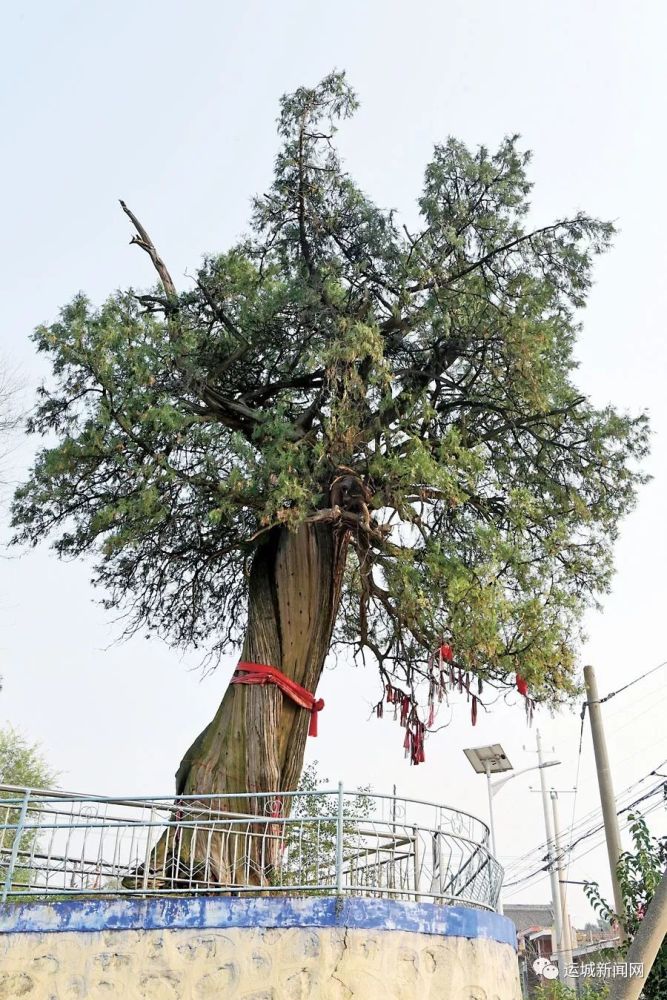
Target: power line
[
  {"x": 593, "y": 814},
  {"x": 650, "y": 745},
  {"x": 588, "y": 833},
  {"x": 640, "y": 698},
  {"x": 612, "y": 694},
  {"x": 540, "y": 875},
  {"x": 638, "y": 715},
  {"x": 589, "y": 817},
  {"x": 653, "y": 791}
]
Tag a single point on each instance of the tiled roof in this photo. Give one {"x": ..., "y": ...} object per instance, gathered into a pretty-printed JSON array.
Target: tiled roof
[{"x": 528, "y": 916}]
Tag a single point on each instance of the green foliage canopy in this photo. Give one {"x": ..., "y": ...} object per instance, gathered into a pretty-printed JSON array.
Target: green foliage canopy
[
  {"x": 22, "y": 763},
  {"x": 437, "y": 365}
]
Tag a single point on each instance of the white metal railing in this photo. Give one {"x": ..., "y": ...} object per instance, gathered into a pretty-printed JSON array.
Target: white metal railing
[{"x": 55, "y": 843}]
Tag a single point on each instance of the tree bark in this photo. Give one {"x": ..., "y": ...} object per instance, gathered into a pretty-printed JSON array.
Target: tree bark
[{"x": 257, "y": 739}]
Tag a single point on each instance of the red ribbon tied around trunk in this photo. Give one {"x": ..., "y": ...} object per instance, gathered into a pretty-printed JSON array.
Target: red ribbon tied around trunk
[
  {"x": 261, "y": 673},
  {"x": 521, "y": 685}
]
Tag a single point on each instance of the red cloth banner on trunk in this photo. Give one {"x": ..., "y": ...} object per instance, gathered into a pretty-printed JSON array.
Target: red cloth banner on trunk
[{"x": 261, "y": 673}]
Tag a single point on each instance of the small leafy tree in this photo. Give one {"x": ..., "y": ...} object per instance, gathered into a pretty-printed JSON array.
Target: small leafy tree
[
  {"x": 640, "y": 871},
  {"x": 347, "y": 433},
  {"x": 22, "y": 764},
  {"x": 311, "y": 833}
]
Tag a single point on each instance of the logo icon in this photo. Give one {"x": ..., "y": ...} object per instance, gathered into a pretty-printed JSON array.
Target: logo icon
[{"x": 543, "y": 967}]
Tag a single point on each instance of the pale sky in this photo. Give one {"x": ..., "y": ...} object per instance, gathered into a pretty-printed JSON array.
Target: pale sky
[{"x": 171, "y": 106}]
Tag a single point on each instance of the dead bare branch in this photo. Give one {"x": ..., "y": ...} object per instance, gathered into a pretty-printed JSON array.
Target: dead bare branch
[{"x": 143, "y": 240}]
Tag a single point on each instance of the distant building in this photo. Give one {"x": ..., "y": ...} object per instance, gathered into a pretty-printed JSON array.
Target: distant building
[
  {"x": 536, "y": 938},
  {"x": 529, "y": 916}
]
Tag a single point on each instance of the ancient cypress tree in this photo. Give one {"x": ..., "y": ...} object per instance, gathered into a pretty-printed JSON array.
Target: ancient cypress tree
[{"x": 344, "y": 432}]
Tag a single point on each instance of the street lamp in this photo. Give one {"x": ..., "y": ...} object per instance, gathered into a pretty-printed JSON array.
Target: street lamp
[{"x": 493, "y": 760}]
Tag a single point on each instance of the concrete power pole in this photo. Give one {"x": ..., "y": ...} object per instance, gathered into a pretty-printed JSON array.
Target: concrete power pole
[
  {"x": 565, "y": 916},
  {"x": 607, "y": 799},
  {"x": 553, "y": 873}
]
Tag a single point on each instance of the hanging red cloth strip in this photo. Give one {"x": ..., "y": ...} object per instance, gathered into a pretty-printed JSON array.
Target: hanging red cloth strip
[
  {"x": 446, "y": 652},
  {"x": 260, "y": 673}
]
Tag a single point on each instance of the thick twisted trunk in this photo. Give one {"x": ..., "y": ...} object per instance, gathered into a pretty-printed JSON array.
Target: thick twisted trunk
[{"x": 257, "y": 739}]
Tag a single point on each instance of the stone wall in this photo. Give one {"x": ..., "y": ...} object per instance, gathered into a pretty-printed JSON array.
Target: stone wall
[{"x": 255, "y": 949}]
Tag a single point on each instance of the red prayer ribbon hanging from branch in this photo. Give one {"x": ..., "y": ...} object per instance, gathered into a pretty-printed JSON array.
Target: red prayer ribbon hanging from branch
[
  {"x": 405, "y": 712},
  {"x": 261, "y": 673},
  {"x": 522, "y": 688},
  {"x": 405, "y": 708}
]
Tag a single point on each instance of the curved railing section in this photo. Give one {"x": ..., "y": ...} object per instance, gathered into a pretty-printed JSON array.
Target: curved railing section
[{"x": 61, "y": 844}]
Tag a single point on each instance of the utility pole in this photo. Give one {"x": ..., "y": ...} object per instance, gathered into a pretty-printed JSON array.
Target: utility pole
[
  {"x": 553, "y": 873},
  {"x": 607, "y": 799},
  {"x": 490, "y": 760},
  {"x": 567, "y": 937},
  {"x": 492, "y": 827}
]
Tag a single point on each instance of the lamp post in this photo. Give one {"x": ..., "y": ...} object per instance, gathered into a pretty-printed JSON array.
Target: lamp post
[{"x": 490, "y": 760}]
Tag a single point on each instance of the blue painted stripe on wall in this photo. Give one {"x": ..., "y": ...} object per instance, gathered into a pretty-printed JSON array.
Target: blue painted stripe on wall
[{"x": 159, "y": 913}]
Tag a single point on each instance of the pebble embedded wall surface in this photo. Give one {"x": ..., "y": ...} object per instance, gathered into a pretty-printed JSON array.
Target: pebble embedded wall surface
[{"x": 42, "y": 960}]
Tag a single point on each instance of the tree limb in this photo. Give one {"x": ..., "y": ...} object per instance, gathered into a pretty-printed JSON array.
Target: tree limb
[
  {"x": 144, "y": 241},
  {"x": 423, "y": 286}
]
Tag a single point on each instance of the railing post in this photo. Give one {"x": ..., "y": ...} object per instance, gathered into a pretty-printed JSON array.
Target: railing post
[
  {"x": 339, "y": 841},
  {"x": 392, "y": 866},
  {"x": 20, "y": 823},
  {"x": 436, "y": 877},
  {"x": 417, "y": 861},
  {"x": 149, "y": 849}
]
